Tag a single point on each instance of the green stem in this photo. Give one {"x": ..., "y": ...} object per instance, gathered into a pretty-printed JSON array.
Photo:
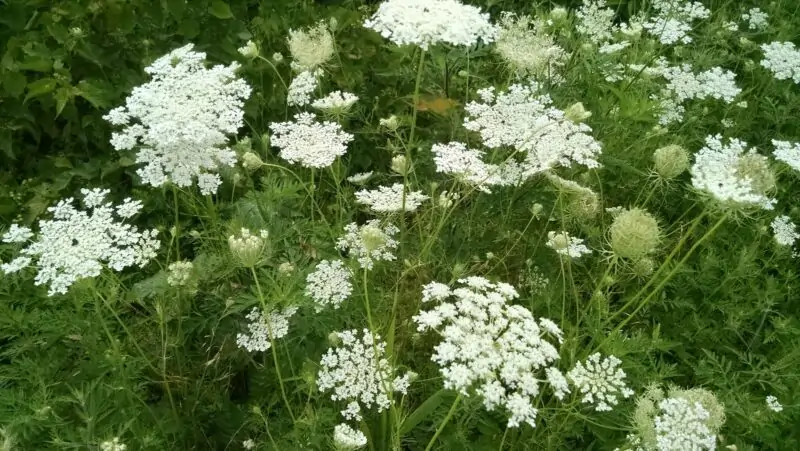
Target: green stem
[
  {"x": 274, "y": 347},
  {"x": 415, "y": 98},
  {"x": 177, "y": 222},
  {"x": 444, "y": 423}
]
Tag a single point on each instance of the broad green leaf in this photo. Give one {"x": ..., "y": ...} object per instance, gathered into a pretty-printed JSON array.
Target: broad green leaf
[
  {"x": 423, "y": 411},
  {"x": 93, "y": 93},
  {"x": 41, "y": 87},
  {"x": 176, "y": 8},
  {"x": 62, "y": 96},
  {"x": 14, "y": 83},
  {"x": 220, "y": 10},
  {"x": 189, "y": 28}
]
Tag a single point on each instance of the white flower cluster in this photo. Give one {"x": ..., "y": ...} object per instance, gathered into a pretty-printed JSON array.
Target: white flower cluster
[
  {"x": 360, "y": 178},
  {"x": 672, "y": 21},
  {"x": 681, "y": 426},
  {"x": 722, "y": 170},
  {"x": 249, "y": 50},
  {"x": 785, "y": 231},
  {"x": 491, "y": 348},
  {"x": 524, "y": 120},
  {"x": 595, "y": 21},
  {"x": 247, "y": 247},
  {"x": 302, "y": 87},
  {"x": 310, "y": 143},
  {"x": 429, "y": 22},
  {"x": 329, "y": 284},
  {"x": 310, "y": 48},
  {"x": 567, "y": 245},
  {"x": 391, "y": 199},
  {"x": 600, "y": 381},
  {"x": 467, "y": 165},
  {"x": 113, "y": 445},
  {"x": 262, "y": 328},
  {"x": 357, "y": 372},
  {"x": 782, "y": 59},
  {"x": 346, "y": 438},
  {"x": 527, "y": 48},
  {"x": 181, "y": 119},
  {"x": 756, "y": 19},
  {"x": 337, "y": 101},
  {"x": 249, "y": 444},
  {"x": 179, "y": 273},
  {"x": 787, "y": 152},
  {"x": 369, "y": 243},
  {"x": 773, "y": 404},
  {"x": 683, "y": 84},
  {"x": 75, "y": 244}
]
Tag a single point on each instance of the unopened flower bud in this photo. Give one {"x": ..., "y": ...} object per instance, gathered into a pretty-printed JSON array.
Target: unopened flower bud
[
  {"x": 400, "y": 164},
  {"x": 670, "y": 161},
  {"x": 250, "y": 50},
  {"x": 577, "y": 113},
  {"x": 392, "y": 122},
  {"x": 634, "y": 234},
  {"x": 251, "y": 161},
  {"x": 247, "y": 248}
]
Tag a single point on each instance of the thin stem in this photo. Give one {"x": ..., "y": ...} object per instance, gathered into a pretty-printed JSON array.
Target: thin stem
[
  {"x": 444, "y": 422},
  {"x": 415, "y": 98},
  {"x": 503, "y": 440},
  {"x": 177, "y": 222},
  {"x": 274, "y": 347},
  {"x": 276, "y": 71}
]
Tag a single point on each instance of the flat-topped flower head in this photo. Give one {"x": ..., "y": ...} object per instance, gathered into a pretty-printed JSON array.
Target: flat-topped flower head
[
  {"x": 672, "y": 21},
  {"x": 429, "y": 22},
  {"x": 77, "y": 244},
  {"x": 369, "y": 243},
  {"x": 302, "y": 87},
  {"x": 329, "y": 284},
  {"x": 179, "y": 121},
  {"x": 601, "y": 381},
  {"x": 311, "y": 47},
  {"x": 357, "y": 372},
  {"x": 787, "y": 152},
  {"x": 264, "y": 328},
  {"x": 733, "y": 174},
  {"x": 782, "y": 59},
  {"x": 785, "y": 230},
  {"x": 336, "y": 103},
  {"x": 565, "y": 244},
  {"x": 391, "y": 199},
  {"x": 348, "y": 439},
  {"x": 524, "y": 120},
  {"x": 310, "y": 143},
  {"x": 527, "y": 49},
  {"x": 247, "y": 247},
  {"x": 491, "y": 348},
  {"x": 467, "y": 165}
]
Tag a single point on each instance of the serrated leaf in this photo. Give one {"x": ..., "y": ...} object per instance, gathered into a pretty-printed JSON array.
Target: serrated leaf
[
  {"x": 220, "y": 10},
  {"x": 62, "y": 96},
  {"x": 14, "y": 83},
  {"x": 93, "y": 93},
  {"x": 41, "y": 87}
]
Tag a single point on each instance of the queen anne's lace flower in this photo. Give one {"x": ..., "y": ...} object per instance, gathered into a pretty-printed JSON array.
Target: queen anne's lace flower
[
  {"x": 310, "y": 48},
  {"x": 390, "y": 199},
  {"x": 369, "y": 243},
  {"x": 600, "y": 381},
  {"x": 336, "y": 102},
  {"x": 262, "y": 328},
  {"x": 595, "y": 21},
  {"x": 524, "y": 120},
  {"x": 490, "y": 348},
  {"x": 785, "y": 231},
  {"x": 681, "y": 426},
  {"x": 302, "y": 87},
  {"x": 787, "y": 152},
  {"x": 179, "y": 273},
  {"x": 248, "y": 248},
  {"x": 683, "y": 85},
  {"x": 527, "y": 48},
  {"x": 360, "y": 178},
  {"x": 357, "y": 372},
  {"x": 773, "y": 404},
  {"x": 346, "y": 438},
  {"x": 430, "y": 22},
  {"x": 113, "y": 445},
  {"x": 756, "y": 19},
  {"x": 75, "y": 244},
  {"x": 329, "y": 284},
  {"x": 567, "y": 245},
  {"x": 782, "y": 59},
  {"x": 732, "y": 173},
  {"x": 672, "y": 21},
  {"x": 310, "y": 143},
  {"x": 467, "y": 165},
  {"x": 181, "y": 119}
]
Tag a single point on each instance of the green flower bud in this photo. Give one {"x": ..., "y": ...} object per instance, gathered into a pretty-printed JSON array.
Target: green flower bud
[
  {"x": 670, "y": 161},
  {"x": 577, "y": 113},
  {"x": 634, "y": 234},
  {"x": 643, "y": 267}
]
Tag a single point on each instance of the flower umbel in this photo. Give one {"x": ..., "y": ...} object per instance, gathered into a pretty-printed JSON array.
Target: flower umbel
[
  {"x": 369, "y": 243},
  {"x": 262, "y": 328},
  {"x": 600, "y": 381},
  {"x": 329, "y": 284},
  {"x": 310, "y": 143},
  {"x": 247, "y": 248}
]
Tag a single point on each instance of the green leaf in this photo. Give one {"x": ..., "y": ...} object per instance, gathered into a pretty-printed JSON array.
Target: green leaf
[
  {"x": 14, "y": 83},
  {"x": 176, "y": 8},
  {"x": 63, "y": 95},
  {"x": 93, "y": 93},
  {"x": 41, "y": 87},
  {"x": 423, "y": 411},
  {"x": 189, "y": 28},
  {"x": 220, "y": 10}
]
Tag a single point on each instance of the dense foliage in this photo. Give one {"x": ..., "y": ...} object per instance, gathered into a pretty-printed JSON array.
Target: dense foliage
[{"x": 577, "y": 232}]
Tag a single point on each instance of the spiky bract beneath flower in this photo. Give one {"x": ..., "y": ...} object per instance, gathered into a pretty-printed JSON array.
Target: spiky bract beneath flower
[
  {"x": 526, "y": 48},
  {"x": 634, "y": 234}
]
